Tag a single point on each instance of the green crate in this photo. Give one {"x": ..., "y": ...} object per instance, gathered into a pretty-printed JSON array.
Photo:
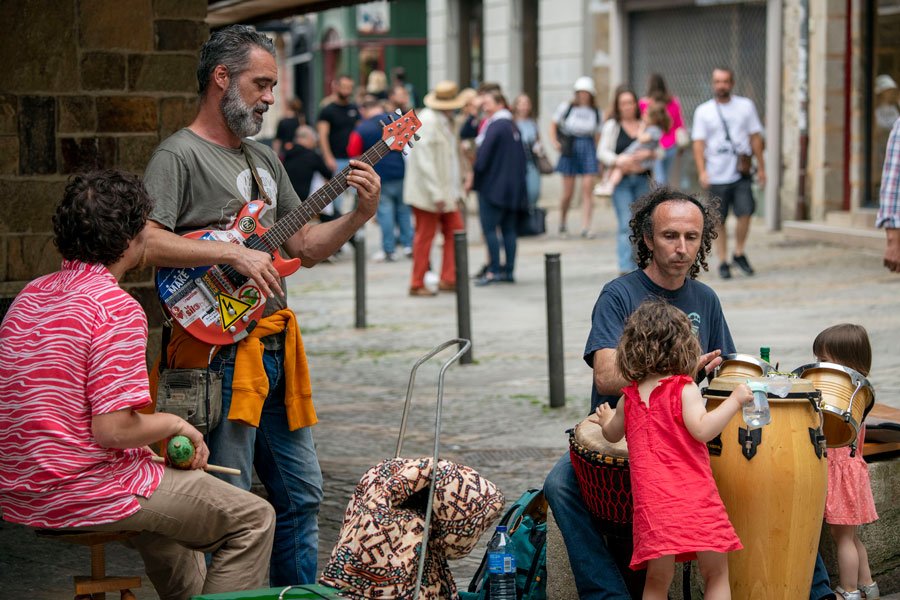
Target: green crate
[{"x": 304, "y": 592}]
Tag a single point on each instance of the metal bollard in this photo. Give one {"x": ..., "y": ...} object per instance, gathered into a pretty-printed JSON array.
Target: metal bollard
[
  {"x": 359, "y": 262},
  {"x": 463, "y": 304},
  {"x": 555, "y": 358}
]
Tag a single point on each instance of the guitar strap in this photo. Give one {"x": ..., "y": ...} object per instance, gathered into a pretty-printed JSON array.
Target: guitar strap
[{"x": 259, "y": 185}]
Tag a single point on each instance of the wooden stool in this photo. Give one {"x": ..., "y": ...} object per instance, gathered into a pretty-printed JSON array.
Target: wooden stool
[{"x": 96, "y": 586}]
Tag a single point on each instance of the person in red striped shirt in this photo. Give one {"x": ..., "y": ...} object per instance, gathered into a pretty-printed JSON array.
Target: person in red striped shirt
[{"x": 73, "y": 448}]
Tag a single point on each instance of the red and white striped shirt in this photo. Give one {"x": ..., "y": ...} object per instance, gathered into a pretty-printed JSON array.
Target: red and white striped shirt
[{"x": 71, "y": 346}]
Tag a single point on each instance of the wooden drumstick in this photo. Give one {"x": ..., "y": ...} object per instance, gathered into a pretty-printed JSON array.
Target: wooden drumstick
[{"x": 210, "y": 468}]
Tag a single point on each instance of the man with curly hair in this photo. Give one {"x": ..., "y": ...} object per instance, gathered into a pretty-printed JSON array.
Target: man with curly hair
[
  {"x": 73, "y": 453},
  {"x": 672, "y": 234}
]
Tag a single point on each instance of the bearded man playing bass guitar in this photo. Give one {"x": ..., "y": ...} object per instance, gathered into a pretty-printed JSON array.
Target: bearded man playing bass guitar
[{"x": 201, "y": 178}]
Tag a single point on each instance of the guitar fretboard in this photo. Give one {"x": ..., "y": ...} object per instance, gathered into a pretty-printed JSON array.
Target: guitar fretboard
[{"x": 325, "y": 195}]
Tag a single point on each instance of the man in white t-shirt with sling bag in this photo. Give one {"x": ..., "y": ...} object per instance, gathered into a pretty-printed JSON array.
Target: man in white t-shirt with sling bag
[{"x": 727, "y": 137}]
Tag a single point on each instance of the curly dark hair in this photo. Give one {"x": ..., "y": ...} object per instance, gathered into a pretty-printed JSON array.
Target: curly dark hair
[
  {"x": 100, "y": 213},
  {"x": 642, "y": 223},
  {"x": 657, "y": 339}
]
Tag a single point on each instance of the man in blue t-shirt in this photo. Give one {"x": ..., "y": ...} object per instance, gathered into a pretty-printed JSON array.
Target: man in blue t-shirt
[
  {"x": 672, "y": 234},
  {"x": 393, "y": 215}
]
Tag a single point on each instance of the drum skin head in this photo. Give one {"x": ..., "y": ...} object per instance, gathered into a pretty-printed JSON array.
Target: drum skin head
[{"x": 590, "y": 435}]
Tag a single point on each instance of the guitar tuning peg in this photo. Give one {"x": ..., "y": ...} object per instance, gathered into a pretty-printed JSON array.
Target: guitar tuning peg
[
  {"x": 409, "y": 144},
  {"x": 417, "y": 137},
  {"x": 398, "y": 112},
  {"x": 383, "y": 124}
]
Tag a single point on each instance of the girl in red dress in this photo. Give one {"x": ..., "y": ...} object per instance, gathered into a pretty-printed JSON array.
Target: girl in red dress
[
  {"x": 849, "y": 503},
  {"x": 678, "y": 514}
]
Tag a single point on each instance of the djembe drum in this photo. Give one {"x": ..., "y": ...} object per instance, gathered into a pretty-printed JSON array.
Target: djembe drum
[
  {"x": 773, "y": 482},
  {"x": 604, "y": 479}
]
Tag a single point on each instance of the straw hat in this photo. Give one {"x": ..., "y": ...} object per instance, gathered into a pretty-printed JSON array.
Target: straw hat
[
  {"x": 884, "y": 83},
  {"x": 445, "y": 96},
  {"x": 585, "y": 84}
]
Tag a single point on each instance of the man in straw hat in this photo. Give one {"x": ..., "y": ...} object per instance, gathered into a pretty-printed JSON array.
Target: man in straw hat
[{"x": 435, "y": 167}]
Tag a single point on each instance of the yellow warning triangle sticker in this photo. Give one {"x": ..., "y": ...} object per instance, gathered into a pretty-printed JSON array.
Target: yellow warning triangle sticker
[{"x": 231, "y": 309}]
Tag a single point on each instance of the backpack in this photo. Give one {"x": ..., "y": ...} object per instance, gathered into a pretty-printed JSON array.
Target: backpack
[{"x": 526, "y": 521}]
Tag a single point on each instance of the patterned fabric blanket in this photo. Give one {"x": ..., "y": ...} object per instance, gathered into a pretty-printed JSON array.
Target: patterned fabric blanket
[{"x": 378, "y": 550}]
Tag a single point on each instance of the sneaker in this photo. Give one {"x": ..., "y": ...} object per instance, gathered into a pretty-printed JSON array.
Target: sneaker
[
  {"x": 481, "y": 272},
  {"x": 407, "y": 251},
  {"x": 854, "y": 595},
  {"x": 724, "y": 271},
  {"x": 741, "y": 261},
  {"x": 379, "y": 256},
  {"x": 870, "y": 592},
  {"x": 487, "y": 279},
  {"x": 563, "y": 232},
  {"x": 586, "y": 234}
]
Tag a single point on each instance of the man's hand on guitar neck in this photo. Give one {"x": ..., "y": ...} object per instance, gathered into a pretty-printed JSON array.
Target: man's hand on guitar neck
[
  {"x": 167, "y": 249},
  {"x": 367, "y": 184}
]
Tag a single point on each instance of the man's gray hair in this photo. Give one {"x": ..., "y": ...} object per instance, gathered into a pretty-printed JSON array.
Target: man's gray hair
[{"x": 229, "y": 46}]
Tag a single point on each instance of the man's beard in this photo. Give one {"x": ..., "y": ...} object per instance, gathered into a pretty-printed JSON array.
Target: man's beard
[
  {"x": 723, "y": 94},
  {"x": 240, "y": 117}
]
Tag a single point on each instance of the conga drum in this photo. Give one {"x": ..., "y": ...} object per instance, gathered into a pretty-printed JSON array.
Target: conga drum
[
  {"x": 773, "y": 482},
  {"x": 742, "y": 365},
  {"x": 604, "y": 479},
  {"x": 847, "y": 397}
]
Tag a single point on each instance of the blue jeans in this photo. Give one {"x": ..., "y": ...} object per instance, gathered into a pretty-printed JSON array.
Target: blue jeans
[
  {"x": 629, "y": 189},
  {"x": 340, "y": 164},
  {"x": 821, "y": 585},
  {"x": 661, "y": 168},
  {"x": 286, "y": 463},
  {"x": 494, "y": 218},
  {"x": 532, "y": 183},
  {"x": 393, "y": 213},
  {"x": 596, "y": 575}
]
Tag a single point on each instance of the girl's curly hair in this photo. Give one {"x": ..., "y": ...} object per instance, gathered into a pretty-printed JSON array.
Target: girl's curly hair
[
  {"x": 642, "y": 224},
  {"x": 657, "y": 339},
  {"x": 99, "y": 215}
]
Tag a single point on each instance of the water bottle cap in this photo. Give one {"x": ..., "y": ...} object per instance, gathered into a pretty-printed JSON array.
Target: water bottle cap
[{"x": 501, "y": 528}]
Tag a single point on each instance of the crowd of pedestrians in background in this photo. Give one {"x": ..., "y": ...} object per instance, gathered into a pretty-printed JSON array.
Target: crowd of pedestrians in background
[{"x": 485, "y": 149}]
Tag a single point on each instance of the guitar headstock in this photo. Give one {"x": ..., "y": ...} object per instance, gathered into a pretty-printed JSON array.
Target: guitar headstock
[{"x": 400, "y": 133}]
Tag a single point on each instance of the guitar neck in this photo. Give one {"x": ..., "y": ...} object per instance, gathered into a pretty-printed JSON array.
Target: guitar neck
[{"x": 325, "y": 195}]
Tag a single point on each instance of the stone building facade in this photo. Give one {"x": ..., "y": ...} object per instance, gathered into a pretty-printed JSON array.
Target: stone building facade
[
  {"x": 809, "y": 67},
  {"x": 88, "y": 84}
]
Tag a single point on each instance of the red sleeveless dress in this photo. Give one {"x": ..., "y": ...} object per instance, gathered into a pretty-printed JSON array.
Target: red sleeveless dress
[{"x": 677, "y": 508}]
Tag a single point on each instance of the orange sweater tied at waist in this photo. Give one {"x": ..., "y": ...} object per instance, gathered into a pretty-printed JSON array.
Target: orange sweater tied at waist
[{"x": 250, "y": 385}]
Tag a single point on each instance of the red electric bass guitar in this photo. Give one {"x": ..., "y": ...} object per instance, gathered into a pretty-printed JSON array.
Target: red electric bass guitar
[{"x": 218, "y": 305}]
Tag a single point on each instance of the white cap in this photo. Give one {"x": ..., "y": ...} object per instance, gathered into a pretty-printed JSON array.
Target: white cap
[
  {"x": 884, "y": 83},
  {"x": 585, "y": 84}
]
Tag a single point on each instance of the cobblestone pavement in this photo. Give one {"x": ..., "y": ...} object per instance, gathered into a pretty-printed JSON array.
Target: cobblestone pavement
[{"x": 495, "y": 414}]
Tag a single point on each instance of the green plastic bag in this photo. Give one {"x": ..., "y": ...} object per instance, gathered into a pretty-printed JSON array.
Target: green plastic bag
[{"x": 304, "y": 592}]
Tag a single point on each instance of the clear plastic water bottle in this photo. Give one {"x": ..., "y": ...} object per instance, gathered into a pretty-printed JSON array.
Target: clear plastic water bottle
[
  {"x": 501, "y": 567},
  {"x": 756, "y": 413}
]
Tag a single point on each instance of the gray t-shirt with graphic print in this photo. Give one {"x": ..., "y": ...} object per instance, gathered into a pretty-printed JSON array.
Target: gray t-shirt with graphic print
[{"x": 196, "y": 184}]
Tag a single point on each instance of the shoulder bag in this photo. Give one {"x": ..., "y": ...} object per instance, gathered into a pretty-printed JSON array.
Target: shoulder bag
[{"x": 745, "y": 161}]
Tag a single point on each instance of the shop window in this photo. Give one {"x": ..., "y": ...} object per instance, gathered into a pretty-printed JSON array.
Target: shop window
[{"x": 884, "y": 27}]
